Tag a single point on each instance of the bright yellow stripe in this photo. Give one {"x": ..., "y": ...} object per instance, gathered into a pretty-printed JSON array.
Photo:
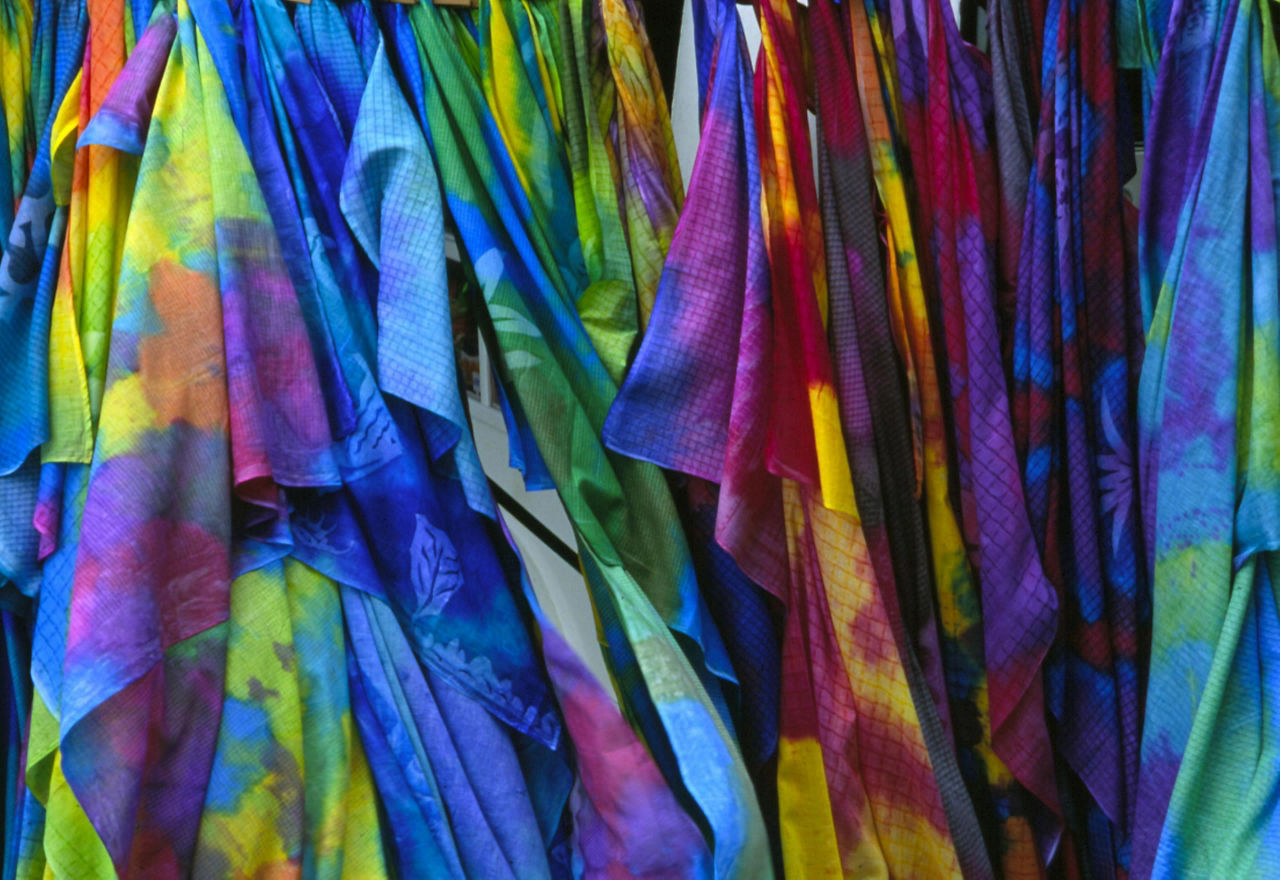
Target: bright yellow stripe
[
  {"x": 807, "y": 827},
  {"x": 70, "y": 430},
  {"x": 833, "y": 460}
]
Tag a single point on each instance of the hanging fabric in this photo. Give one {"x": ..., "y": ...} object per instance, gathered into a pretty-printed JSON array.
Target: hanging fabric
[
  {"x": 564, "y": 389},
  {"x": 1076, "y": 348},
  {"x": 1206, "y": 406},
  {"x": 992, "y": 678},
  {"x": 913, "y": 475},
  {"x": 693, "y": 400}
]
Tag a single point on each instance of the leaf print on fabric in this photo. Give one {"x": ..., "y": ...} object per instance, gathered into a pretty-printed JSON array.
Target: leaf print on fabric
[
  {"x": 434, "y": 564},
  {"x": 489, "y": 268},
  {"x": 521, "y": 360},
  {"x": 313, "y": 530},
  {"x": 1116, "y": 479},
  {"x": 375, "y": 440},
  {"x": 506, "y": 320}
]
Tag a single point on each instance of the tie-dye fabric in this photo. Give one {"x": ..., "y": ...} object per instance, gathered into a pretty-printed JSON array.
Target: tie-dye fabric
[
  {"x": 812, "y": 449},
  {"x": 874, "y": 62},
  {"x": 873, "y": 411},
  {"x": 260, "y": 611},
  {"x": 1014, "y": 87},
  {"x": 285, "y": 674},
  {"x": 1075, "y": 349},
  {"x": 647, "y": 173},
  {"x": 565, "y": 391},
  {"x": 830, "y": 794},
  {"x": 626, "y": 817},
  {"x": 992, "y": 660},
  {"x": 1184, "y": 87},
  {"x": 88, "y": 182},
  {"x": 143, "y": 565},
  {"x": 582, "y": 108},
  {"x": 17, "y": 67},
  {"x": 675, "y": 407},
  {"x": 837, "y": 617},
  {"x": 877, "y": 85},
  {"x": 823, "y": 810},
  {"x": 695, "y": 398},
  {"x": 1207, "y": 416},
  {"x": 29, "y": 271},
  {"x": 447, "y": 543},
  {"x": 868, "y": 385}
]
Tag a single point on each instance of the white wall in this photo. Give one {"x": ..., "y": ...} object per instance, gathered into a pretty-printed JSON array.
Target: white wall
[{"x": 560, "y": 588}]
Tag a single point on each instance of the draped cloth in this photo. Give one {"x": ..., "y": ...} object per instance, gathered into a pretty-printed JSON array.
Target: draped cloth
[
  {"x": 1208, "y": 411},
  {"x": 694, "y": 403},
  {"x": 1076, "y": 346},
  {"x": 1014, "y": 91},
  {"x": 822, "y": 803},
  {"x": 647, "y": 173},
  {"x": 702, "y": 365},
  {"x": 992, "y": 659},
  {"x": 691, "y": 401},
  {"x": 883, "y": 96},
  {"x": 233, "y": 688},
  {"x": 870, "y": 386},
  {"x": 625, "y": 812},
  {"x": 17, "y": 79},
  {"x": 271, "y": 595},
  {"x": 583, "y": 110},
  {"x": 564, "y": 389},
  {"x": 245, "y": 425},
  {"x": 29, "y": 269},
  {"x": 846, "y": 702},
  {"x": 429, "y": 570},
  {"x": 932, "y": 497},
  {"x": 172, "y": 409},
  {"x": 88, "y": 185}
]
